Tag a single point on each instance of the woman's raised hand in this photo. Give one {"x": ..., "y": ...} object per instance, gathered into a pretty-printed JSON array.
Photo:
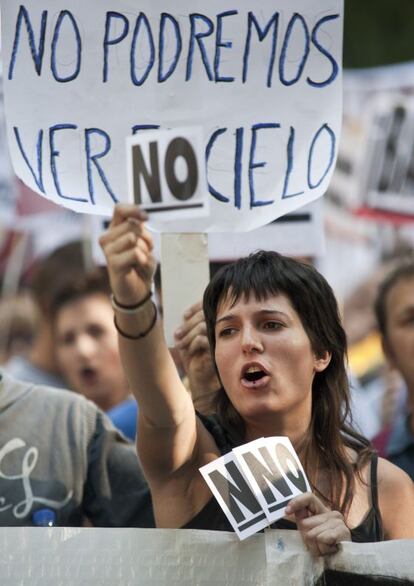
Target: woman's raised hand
[
  {"x": 321, "y": 528},
  {"x": 127, "y": 246}
]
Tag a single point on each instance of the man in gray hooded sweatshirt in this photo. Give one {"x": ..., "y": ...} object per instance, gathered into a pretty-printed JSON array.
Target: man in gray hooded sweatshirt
[{"x": 60, "y": 453}]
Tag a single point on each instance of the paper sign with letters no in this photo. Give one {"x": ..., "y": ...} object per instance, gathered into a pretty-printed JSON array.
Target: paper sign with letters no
[
  {"x": 234, "y": 495},
  {"x": 253, "y": 483},
  {"x": 273, "y": 470},
  {"x": 166, "y": 172}
]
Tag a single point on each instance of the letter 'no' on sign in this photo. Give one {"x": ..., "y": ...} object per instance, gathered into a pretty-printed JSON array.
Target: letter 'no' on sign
[{"x": 166, "y": 172}]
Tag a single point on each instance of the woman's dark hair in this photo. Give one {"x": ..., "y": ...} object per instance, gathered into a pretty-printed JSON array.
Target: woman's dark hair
[{"x": 265, "y": 274}]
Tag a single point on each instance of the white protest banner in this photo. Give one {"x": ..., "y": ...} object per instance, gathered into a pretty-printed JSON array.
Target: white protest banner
[
  {"x": 262, "y": 80},
  {"x": 274, "y": 472},
  {"x": 7, "y": 180},
  {"x": 234, "y": 495},
  {"x": 166, "y": 172},
  {"x": 72, "y": 556}
]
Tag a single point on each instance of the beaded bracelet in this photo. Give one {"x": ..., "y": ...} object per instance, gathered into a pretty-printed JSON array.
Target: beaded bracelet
[
  {"x": 130, "y": 309},
  {"x": 142, "y": 334}
]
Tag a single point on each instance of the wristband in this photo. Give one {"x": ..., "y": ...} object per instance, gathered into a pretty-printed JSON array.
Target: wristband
[
  {"x": 141, "y": 334},
  {"x": 130, "y": 309}
]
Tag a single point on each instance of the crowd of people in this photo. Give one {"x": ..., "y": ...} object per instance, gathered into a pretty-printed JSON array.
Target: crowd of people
[{"x": 263, "y": 354}]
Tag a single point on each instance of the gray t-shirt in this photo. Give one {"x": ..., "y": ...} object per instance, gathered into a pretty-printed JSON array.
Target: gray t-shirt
[{"x": 59, "y": 451}]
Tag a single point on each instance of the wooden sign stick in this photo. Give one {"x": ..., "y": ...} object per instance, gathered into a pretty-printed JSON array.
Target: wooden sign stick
[{"x": 184, "y": 276}]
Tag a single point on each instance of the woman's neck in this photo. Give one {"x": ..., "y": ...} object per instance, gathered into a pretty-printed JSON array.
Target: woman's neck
[{"x": 296, "y": 430}]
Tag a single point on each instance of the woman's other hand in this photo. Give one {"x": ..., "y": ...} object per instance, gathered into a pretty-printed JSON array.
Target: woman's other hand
[
  {"x": 321, "y": 528},
  {"x": 127, "y": 246}
]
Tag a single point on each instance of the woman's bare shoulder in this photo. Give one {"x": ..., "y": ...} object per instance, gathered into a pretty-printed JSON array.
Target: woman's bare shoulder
[
  {"x": 391, "y": 477},
  {"x": 396, "y": 501}
]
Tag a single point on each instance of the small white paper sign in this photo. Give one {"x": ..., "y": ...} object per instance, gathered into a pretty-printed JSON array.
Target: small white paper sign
[
  {"x": 254, "y": 483},
  {"x": 273, "y": 470},
  {"x": 166, "y": 173},
  {"x": 234, "y": 495}
]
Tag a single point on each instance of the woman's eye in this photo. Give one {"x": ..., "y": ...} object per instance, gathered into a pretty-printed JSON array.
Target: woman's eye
[
  {"x": 272, "y": 325},
  {"x": 226, "y": 332}
]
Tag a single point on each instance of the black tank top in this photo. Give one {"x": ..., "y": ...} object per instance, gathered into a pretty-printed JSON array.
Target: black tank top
[{"x": 212, "y": 518}]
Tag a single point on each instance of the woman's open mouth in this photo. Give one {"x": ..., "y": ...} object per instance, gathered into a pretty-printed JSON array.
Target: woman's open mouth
[{"x": 254, "y": 376}]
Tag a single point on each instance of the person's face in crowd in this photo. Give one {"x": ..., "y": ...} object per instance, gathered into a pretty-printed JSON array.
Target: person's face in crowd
[
  {"x": 87, "y": 350},
  {"x": 265, "y": 359},
  {"x": 399, "y": 339}
]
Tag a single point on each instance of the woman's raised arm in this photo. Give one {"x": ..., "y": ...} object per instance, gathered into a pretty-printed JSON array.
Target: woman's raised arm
[{"x": 167, "y": 422}]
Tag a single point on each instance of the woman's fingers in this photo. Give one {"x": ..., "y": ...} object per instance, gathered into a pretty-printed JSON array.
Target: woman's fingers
[
  {"x": 126, "y": 211},
  {"x": 329, "y": 533},
  {"x": 324, "y": 543},
  {"x": 312, "y": 521},
  {"x": 123, "y": 243},
  {"x": 126, "y": 232},
  {"x": 325, "y": 538},
  {"x": 128, "y": 252},
  {"x": 321, "y": 528},
  {"x": 307, "y": 501},
  {"x": 125, "y": 261},
  {"x": 147, "y": 238},
  {"x": 116, "y": 232}
]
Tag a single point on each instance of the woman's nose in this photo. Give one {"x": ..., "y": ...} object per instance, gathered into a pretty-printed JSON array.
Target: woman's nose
[{"x": 251, "y": 341}]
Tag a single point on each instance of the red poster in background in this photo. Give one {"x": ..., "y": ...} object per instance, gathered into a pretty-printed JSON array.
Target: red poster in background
[{"x": 45, "y": 226}]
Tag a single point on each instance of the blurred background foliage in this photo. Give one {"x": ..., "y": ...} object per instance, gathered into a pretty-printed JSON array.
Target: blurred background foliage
[{"x": 378, "y": 32}]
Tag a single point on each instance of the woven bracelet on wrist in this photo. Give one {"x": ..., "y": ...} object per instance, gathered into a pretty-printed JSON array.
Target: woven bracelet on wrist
[
  {"x": 130, "y": 308},
  {"x": 142, "y": 334}
]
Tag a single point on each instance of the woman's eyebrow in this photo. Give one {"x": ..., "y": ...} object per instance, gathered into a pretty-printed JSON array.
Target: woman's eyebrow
[
  {"x": 272, "y": 312},
  {"x": 227, "y": 317},
  {"x": 230, "y": 316}
]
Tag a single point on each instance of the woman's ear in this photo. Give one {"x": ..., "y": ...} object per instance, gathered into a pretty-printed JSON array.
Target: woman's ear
[{"x": 322, "y": 361}]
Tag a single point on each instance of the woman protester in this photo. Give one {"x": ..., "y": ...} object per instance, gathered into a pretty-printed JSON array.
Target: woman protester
[{"x": 280, "y": 351}]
